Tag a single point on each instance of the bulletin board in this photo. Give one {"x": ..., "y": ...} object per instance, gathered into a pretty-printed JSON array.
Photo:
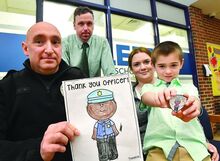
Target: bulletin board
[{"x": 214, "y": 64}]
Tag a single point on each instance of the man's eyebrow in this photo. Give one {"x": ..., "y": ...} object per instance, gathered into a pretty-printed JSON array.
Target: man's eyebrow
[
  {"x": 56, "y": 37},
  {"x": 42, "y": 36},
  {"x": 38, "y": 36}
]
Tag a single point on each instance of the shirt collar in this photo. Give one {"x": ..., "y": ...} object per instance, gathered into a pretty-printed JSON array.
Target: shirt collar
[
  {"x": 174, "y": 82},
  {"x": 79, "y": 42}
]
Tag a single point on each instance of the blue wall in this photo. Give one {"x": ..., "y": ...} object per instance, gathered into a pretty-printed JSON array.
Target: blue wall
[{"x": 11, "y": 53}]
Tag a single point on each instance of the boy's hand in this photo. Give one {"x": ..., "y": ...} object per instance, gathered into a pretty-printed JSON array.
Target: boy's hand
[
  {"x": 213, "y": 150},
  {"x": 158, "y": 99},
  {"x": 190, "y": 110},
  {"x": 164, "y": 97}
]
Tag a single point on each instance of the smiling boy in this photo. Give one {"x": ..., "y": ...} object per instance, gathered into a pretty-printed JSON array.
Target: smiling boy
[{"x": 167, "y": 137}]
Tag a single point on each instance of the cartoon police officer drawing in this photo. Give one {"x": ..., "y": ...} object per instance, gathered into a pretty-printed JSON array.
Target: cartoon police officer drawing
[{"x": 101, "y": 107}]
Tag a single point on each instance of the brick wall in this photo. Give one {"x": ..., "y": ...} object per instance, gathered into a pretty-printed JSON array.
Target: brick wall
[{"x": 205, "y": 30}]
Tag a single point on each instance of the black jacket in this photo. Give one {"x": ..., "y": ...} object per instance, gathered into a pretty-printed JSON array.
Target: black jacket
[{"x": 29, "y": 102}]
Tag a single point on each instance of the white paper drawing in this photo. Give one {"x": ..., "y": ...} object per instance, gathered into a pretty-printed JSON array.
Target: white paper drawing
[{"x": 103, "y": 110}]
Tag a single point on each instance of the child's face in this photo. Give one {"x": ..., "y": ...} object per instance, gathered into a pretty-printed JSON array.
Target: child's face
[{"x": 168, "y": 67}]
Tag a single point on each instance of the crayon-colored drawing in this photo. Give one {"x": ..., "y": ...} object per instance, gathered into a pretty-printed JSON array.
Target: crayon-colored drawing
[{"x": 101, "y": 107}]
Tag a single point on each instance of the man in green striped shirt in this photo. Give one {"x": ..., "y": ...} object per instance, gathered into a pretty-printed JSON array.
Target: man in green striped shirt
[{"x": 98, "y": 52}]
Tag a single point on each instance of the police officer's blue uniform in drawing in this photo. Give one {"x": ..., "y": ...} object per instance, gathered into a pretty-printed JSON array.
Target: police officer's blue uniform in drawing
[{"x": 102, "y": 106}]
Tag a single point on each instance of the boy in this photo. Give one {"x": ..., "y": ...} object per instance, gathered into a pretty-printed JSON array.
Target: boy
[{"x": 168, "y": 137}]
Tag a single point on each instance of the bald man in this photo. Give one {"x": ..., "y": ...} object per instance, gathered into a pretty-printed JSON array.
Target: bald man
[{"x": 33, "y": 123}]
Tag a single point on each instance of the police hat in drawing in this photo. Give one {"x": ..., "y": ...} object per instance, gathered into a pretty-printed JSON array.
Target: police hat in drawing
[{"x": 100, "y": 95}]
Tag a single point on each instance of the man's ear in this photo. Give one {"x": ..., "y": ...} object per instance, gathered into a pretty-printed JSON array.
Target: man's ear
[
  {"x": 74, "y": 26},
  {"x": 25, "y": 48}
]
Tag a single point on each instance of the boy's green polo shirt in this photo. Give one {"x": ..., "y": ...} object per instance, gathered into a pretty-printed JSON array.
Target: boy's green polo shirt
[{"x": 164, "y": 129}]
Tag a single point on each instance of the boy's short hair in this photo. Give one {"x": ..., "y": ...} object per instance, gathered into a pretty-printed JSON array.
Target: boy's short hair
[
  {"x": 81, "y": 10},
  {"x": 165, "y": 48}
]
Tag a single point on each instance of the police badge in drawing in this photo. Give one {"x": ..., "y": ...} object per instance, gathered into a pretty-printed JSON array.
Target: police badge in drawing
[
  {"x": 101, "y": 107},
  {"x": 177, "y": 102}
]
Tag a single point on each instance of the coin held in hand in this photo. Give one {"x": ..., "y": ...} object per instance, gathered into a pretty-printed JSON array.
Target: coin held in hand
[{"x": 177, "y": 102}]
